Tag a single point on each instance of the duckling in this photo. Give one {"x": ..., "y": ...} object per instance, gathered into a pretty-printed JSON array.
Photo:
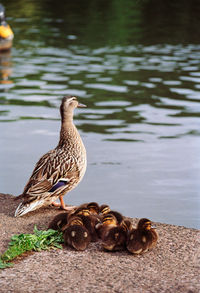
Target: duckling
[
  {"x": 72, "y": 220},
  {"x": 118, "y": 216},
  {"x": 59, "y": 221},
  {"x": 89, "y": 220},
  {"x": 126, "y": 225},
  {"x": 109, "y": 221},
  {"x": 77, "y": 236},
  {"x": 143, "y": 238},
  {"x": 81, "y": 210},
  {"x": 114, "y": 239},
  {"x": 90, "y": 223},
  {"x": 104, "y": 209},
  {"x": 6, "y": 33},
  {"x": 58, "y": 171},
  {"x": 93, "y": 208}
]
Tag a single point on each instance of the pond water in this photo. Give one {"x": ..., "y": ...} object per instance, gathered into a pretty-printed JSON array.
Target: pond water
[{"x": 140, "y": 79}]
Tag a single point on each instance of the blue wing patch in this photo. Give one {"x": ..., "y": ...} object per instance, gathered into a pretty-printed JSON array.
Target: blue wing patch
[{"x": 59, "y": 184}]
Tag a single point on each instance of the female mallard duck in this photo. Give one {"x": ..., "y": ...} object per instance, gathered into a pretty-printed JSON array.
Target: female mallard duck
[
  {"x": 6, "y": 34},
  {"x": 143, "y": 238},
  {"x": 59, "y": 170}
]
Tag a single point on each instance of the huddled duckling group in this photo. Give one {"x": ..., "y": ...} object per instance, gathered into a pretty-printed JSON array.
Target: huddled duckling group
[{"x": 91, "y": 222}]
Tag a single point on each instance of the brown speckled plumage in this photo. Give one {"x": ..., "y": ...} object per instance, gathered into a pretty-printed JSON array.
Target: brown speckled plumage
[{"x": 61, "y": 169}]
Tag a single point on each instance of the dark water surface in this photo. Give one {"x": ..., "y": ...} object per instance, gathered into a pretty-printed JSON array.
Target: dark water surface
[{"x": 136, "y": 65}]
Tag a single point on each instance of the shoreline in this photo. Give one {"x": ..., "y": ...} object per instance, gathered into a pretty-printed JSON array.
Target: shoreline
[{"x": 172, "y": 266}]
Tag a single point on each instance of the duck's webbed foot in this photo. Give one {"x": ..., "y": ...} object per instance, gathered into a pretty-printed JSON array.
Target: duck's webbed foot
[{"x": 62, "y": 205}]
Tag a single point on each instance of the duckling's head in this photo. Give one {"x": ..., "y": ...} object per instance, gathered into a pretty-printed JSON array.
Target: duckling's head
[
  {"x": 69, "y": 103},
  {"x": 93, "y": 207},
  {"x": 104, "y": 209},
  {"x": 144, "y": 224},
  {"x": 115, "y": 239},
  {"x": 77, "y": 236}
]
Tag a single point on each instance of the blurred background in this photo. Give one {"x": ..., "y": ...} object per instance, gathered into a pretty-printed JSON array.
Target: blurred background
[{"x": 136, "y": 65}]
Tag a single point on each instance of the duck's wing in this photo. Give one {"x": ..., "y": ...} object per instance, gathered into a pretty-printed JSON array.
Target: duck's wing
[{"x": 53, "y": 171}]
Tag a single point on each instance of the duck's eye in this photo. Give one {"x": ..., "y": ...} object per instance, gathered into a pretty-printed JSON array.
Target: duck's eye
[
  {"x": 85, "y": 234},
  {"x": 73, "y": 233}
]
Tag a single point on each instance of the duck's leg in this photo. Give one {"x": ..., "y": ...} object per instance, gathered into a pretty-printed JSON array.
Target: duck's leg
[{"x": 62, "y": 205}]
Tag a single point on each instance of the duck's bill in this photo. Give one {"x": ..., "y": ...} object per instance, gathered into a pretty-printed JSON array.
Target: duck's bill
[{"x": 81, "y": 105}]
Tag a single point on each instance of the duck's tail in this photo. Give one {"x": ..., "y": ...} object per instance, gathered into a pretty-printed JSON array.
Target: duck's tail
[{"x": 24, "y": 208}]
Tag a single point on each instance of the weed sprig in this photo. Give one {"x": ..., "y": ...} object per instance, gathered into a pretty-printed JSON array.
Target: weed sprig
[{"x": 40, "y": 240}]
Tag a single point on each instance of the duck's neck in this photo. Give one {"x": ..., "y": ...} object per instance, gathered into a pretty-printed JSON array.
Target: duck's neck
[{"x": 68, "y": 131}]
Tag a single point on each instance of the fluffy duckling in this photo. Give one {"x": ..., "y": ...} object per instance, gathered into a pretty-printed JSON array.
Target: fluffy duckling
[
  {"x": 109, "y": 221},
  {"x": 81, "y": 210},
  {"x": 104, "y": 209},
  {"x": 72, "y": 220},
  {"x": 59, "y": 221},
  {"x": 58, "y": 171},
  {"x": 126, "y": 225},
  {"x": 114, "y": 239},
  {"x": 90, "y": 219},
  {"x": 77, "y": 236},
  {"x": 143, "y": 238},
  {"x": 93, "y": 208},
  {"x": 90, "y": 223}
]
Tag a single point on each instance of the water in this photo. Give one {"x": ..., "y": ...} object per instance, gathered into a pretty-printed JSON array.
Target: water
[{"x": 142, "y": 89}]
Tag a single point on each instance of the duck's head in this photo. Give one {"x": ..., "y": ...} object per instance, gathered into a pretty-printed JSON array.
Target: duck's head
[
  {"x": 77, "y": 236},
  {"x": 93, "y": 207},
  {"x": 144, "y": 224},
  {"x": 115, "y": 239},
  {"x": 69, "y": 103},
  {"x": 104, "y": 209}
]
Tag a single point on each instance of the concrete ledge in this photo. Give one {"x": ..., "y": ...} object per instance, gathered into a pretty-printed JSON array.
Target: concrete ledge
[{"x": 173, "y": 266}]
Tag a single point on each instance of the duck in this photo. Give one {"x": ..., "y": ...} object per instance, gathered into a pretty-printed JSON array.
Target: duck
[
  {"x": 90, "y": 223},
  {"x": 109, "y": 221},
  {"x": 126, "y": 225},
  {"x": 93, "y": 208},
  {"x": 104, "y": 209},
  {"x": 59, "y": 170},
  {"x": 77, "y": 236},
  {"x": 114, "y": 239},
  {"x": 6, "y": 33},
  {"x": 143, "y": 238},
  {"x": 89, "y": 219},
  {"x": 59, "y": 221}
]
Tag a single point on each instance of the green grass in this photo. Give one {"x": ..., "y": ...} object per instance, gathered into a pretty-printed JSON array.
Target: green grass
[{"x": 40, "y": 240}]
